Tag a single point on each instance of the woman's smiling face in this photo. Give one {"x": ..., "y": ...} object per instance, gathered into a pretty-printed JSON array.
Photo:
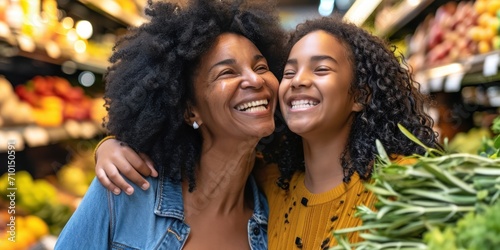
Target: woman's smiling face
[
  {"x": 235, "y": 92},
  {"x": 314, "y": 93}
]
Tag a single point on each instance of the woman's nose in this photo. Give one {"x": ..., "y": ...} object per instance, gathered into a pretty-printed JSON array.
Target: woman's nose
[{"x": 253, "y": 80}]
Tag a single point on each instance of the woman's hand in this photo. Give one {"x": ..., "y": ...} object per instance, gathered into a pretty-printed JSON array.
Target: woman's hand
[{"x": 114, "y": 159}]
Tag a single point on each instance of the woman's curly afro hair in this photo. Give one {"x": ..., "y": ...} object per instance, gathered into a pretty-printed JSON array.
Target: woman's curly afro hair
[
  {"x": 388, "y": 93},
  {"x": 149, "y": 82}
]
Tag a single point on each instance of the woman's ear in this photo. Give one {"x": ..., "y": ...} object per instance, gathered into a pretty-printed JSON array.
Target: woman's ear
[
  {"x": 357, "y": 107},
  {"x": 192, "y": 117}
]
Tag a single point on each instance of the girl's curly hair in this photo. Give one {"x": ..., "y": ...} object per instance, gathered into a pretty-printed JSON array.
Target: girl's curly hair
[
  {"x": 150, "y": 83},
  {"x": 388, "y": 93}
]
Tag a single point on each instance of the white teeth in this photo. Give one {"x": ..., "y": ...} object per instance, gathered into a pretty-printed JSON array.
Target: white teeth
[
  {"x": 299, "y": 104},
  {"x": 260, "y": 108},
  {"x": 253, "y": 106}
]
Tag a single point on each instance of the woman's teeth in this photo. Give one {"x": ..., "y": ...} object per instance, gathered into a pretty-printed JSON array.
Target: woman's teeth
[{"x": 252, "y": 106}]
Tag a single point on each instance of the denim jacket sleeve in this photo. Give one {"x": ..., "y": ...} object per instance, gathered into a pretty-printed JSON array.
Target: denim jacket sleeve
[{"x": 89, "y": 227}]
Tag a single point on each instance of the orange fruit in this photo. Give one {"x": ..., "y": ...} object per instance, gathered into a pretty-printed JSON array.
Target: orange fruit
[
  {"x": 475, "y": 33},
  {"x": 493, "y": 6},
  {"x": 36, "y": 226},
  {"x": 484, "y": 47},
  {"x": 480, "y": 7}
]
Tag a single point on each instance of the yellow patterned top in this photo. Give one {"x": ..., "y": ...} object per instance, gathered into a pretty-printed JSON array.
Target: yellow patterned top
[{"x": 299, "y": 219}]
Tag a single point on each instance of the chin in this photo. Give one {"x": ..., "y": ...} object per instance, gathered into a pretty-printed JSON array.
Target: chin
[
  {"x": 297, "y": 131},
  {"x": 298, "y": 126},
  {"x": 265, "y": 131}
]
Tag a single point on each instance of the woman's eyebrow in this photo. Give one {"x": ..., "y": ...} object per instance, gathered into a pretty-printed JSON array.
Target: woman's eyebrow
[
  {"x": 258, "y": 57},
  {"x": 223, "y": 62},
  {"x": 233, "y": 61}
]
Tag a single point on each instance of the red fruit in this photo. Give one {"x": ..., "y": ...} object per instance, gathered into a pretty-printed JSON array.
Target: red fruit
[
  {"x": 42, "y": 86},
  {"x": 61, "y": 86},
  {"x": 27, "y": 95},
  {"x": 76, "y": 111}
]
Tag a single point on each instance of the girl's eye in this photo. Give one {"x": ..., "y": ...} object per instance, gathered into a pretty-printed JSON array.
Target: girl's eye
[
  {"x": 288, "y": 74},
  {"x": 322, "y": 69}
]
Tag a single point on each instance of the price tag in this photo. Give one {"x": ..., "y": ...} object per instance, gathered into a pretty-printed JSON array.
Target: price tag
[
  {"x": 490, "y": 66},
  {"x": 436, "y": 84},
  {"x": 453, "y": 82}
]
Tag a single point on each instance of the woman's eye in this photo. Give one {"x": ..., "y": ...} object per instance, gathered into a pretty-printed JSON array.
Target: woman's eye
[
  {"x": 225, "y": 73},
  {"x": 262, "y": 69}
]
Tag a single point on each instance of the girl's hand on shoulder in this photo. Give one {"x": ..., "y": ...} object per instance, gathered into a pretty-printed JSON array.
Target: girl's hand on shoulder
[{"x": 114, "y": 159}]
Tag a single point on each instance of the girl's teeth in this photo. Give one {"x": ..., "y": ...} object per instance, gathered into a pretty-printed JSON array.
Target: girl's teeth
[{"x": 298, "y": 104}]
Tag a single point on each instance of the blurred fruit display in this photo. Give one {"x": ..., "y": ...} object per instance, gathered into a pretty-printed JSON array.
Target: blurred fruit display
[
  {"x": 13, "y": 110},
  {"x": 444, "y": 37},
  {"x": 485, "y": 31},
  {"x": 470, "y": 141},
  {"x": 29, "y": 230},
  {"x": 47, "y": 101},
  {"x": 44, "y": 44},
  {"x": 43, "y": 206},
  {"x": 457, "y": 30}
]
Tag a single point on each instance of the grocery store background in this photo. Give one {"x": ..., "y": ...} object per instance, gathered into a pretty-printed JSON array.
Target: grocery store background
[{"x": 53, "y": 55}]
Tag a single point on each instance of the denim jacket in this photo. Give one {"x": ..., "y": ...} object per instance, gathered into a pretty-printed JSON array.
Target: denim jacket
[{"x": 150, "y": 219}]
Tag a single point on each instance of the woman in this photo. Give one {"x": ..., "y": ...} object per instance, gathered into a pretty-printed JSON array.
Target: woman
[
  {"x": 342, "y": 89},
  {"x": 192, "y": 89}
]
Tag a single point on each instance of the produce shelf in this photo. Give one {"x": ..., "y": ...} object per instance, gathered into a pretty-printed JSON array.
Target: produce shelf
[
  {"x": 35, "y": 136},
  {"x": 113, "y": 10},
  {"x": 40, "y": 53},
  {"x": 484, "y": 66},
  {"x": 400, "y": 15},
  {"x": 473, "y": 71}
]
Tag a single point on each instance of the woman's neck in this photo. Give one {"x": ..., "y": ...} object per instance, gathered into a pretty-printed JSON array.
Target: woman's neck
[{"x": 221, "y": 179}]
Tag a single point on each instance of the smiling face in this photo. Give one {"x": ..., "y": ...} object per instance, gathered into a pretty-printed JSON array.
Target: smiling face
[
  {"x": 234, "y": 90},
  {"x": 314, "y": 93}
]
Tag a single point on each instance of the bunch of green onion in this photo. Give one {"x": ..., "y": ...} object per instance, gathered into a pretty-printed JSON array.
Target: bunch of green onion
[{"x": 435, "y": 191}]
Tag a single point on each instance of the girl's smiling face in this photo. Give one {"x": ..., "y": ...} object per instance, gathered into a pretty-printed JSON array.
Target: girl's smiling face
[{"x": 314, "y": 93}]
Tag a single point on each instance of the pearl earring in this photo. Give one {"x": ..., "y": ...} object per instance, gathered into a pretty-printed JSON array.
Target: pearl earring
[{"x": 195, "y": 125}]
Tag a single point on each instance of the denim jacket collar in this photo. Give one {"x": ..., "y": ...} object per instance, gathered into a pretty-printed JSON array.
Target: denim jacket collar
[{"x": 169, "y": 201}]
